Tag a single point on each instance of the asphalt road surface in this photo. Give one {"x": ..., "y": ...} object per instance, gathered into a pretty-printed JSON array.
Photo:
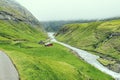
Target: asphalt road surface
[{"x": 7, "y": 69}]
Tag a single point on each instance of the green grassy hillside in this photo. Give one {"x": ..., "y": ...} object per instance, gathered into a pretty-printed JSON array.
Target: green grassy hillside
[
  {"x": 37, "y": 62},
  {"x": 19, "y": 31},
  {"x": 101, "y": 38}
]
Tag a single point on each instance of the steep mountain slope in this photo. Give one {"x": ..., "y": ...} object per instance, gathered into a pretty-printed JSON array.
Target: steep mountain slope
[
  {"x": 20, "y": 33},
  {"x": 11, "y": 8},
  {"x": 101, "y": 38},
  {"x": 16, "y": 20}
]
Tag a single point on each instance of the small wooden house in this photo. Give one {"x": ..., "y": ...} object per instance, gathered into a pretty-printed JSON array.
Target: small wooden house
[{"x": 48, "y": 44}]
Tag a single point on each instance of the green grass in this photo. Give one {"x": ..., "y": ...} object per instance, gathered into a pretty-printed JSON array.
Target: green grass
[
  {"x": 19, "y": 31},
  {"x": 36, "y": 62}
]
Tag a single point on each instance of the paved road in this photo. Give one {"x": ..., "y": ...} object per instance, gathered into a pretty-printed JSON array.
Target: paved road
[
  {"x": 7, "y": 69},
  {"x": 88, "y": 57}
]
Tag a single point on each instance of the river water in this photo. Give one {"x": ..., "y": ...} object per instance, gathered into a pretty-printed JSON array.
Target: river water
[{"x": 88, "y": 57}]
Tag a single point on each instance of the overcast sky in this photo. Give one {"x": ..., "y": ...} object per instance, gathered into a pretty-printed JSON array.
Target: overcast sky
[{"x": 46, "y": 10}]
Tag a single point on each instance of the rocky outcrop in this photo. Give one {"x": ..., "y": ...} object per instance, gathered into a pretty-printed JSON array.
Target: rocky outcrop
[
  {"x": 7, "y": 16},
  {"x": 115, "y": 34},
  {"x": 11, "y": 10}
]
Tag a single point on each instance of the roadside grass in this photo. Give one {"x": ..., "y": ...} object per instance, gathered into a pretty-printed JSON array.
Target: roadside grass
[{"x": 50, "y": 63}]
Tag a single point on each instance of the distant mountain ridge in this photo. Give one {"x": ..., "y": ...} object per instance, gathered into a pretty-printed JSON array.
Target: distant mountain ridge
[{"x": 56, "y": 25}]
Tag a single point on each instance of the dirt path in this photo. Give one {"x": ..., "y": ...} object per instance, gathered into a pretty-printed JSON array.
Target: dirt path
[
  {"x": 88, "y": 57},
  {"x": 7, "y": 69}
]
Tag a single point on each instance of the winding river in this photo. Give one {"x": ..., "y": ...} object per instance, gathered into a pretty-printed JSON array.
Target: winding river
[{"x": 88, "y": 57}]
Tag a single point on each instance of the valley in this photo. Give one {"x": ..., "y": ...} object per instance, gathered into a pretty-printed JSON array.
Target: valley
[{"x": 23, "y": 39}]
